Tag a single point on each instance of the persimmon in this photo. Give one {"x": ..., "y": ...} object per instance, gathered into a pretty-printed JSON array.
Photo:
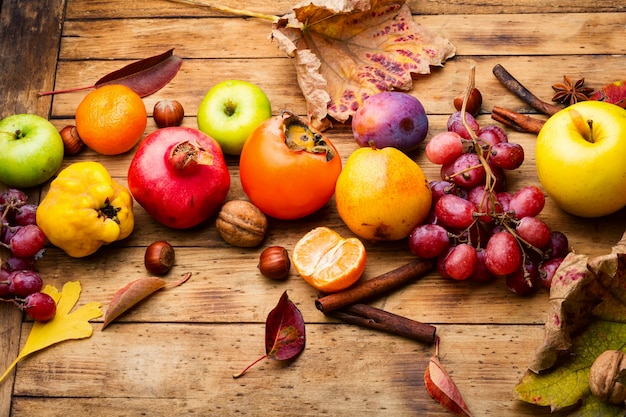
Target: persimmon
[{"x": 287, "y": 168}]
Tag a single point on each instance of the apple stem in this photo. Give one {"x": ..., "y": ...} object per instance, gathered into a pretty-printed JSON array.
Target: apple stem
[{"x": 585, "y": 127}]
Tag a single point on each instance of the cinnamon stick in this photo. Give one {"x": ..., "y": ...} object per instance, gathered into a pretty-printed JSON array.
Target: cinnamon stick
[
  {"x": 517, "y": 121},
  {"x": 375, "y": 286},
  {"x": 377, "y": 319},
  {"x": 514, "y": 86}
]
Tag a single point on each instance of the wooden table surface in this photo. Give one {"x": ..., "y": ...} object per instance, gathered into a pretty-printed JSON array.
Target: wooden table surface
[{"x": 176, "y": 354}]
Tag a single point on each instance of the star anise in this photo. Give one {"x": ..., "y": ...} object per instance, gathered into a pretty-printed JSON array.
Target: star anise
[{"x": 569, "y": 92}]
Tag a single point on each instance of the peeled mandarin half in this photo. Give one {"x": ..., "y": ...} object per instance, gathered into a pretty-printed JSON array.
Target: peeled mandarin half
[{"x": 327, "y": 261}]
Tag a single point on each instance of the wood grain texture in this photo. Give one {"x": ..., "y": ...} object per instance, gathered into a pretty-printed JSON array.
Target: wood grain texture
[
  {"x": 30, "y": 33},
  {"x": 29, "y": 41},
  {"x": 176, "y": 353},
  {"x": 97, "y": 9},
  {"x": 196, "y": 364}
]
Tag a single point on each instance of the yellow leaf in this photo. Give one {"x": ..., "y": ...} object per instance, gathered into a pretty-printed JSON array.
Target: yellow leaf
[{"x": 63, "y": 326}]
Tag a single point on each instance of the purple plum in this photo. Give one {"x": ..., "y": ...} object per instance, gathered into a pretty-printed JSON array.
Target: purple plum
[{"x": 391, "y": 118}]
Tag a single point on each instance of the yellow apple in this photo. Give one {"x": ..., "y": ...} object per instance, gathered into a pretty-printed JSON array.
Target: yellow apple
[{"x": 581, "y": 158}]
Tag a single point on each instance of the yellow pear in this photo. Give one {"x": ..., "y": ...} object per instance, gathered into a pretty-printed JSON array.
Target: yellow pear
[{"x": 382, "y": 194}]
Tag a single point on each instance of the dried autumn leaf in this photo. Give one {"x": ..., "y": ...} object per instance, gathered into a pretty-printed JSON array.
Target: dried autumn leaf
[
  {"x": 284, "y": 333},
  {"x": 442, "y": 388},
  {"x": 63, "y": 326},
  {"x": 614, "y": 92},
  {"x": 568, "y": 384},
  {"x": 346, "y": 51},
  {"x": 132, "y": 293},
  {"x": 570, "y": 302},
  {"x": 587, "y": 316},
  {"x": 145, "y": 76}
]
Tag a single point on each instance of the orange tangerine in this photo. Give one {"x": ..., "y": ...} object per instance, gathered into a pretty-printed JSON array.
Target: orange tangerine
[
  {"x": 327, "y": 261},
  {"x": 111, "y": 119}
]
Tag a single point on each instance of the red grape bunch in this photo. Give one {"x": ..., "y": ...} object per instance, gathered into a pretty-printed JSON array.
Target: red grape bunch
[
  {"x": 20, "y": 283},
  {"x": 477, "y": 229}
]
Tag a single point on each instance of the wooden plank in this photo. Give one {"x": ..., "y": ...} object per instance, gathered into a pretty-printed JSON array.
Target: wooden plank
[
  {"x": 88, "y": 9},
  {"x": 30, "y": 33},
  {"x": 113, "y": 372},
  {"x": 227, "y": 287},
  {"x": 175, "y": 354},
  {"x": 504, "y": 34},
  {"x": 29, "y": 42},
  {"x": 436, "y": 91}
]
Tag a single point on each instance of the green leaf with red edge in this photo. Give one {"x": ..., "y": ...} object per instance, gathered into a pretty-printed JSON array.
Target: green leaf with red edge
[
  {"x": 346, "y": 51},
  {"x": 285, "y": 334},
  {"x": 567, "y": 384}
]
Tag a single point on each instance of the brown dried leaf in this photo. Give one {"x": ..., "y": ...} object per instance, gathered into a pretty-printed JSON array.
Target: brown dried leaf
[
  {"x": 442, "y": 388},
  {"x": 134, "y": 292},
  {"x": 129, "y": 295},
  {"x": 571, "y": 300},
  {"x": 346, "y": 51},
  {"x": 587, "y": 317}
]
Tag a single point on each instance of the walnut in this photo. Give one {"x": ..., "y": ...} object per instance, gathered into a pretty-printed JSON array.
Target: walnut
[
  {"x": 605, "y": 375},
  {"x": 241, "y": 224}
]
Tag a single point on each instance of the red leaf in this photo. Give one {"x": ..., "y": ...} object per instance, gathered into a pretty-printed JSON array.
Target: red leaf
[
  {"x": 284, "y": 333},
  {"x": 145, "y": 77},
  {"x": 442, "y": 388},
  {"x": 614, "y": 92},
  {"x": 284, "y": 330}
]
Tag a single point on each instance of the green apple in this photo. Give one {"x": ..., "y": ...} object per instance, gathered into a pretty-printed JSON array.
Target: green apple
[
  {"x": 230, "y": 111},
  {"x": 581, "y": 158},
  {"x": 31, "y": 150}
]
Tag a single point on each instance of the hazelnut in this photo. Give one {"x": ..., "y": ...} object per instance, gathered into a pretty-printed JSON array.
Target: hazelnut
[
  {"x": 72, "y": 143},
  {"x": 474, "y": 102},
  {"x": 159, "y": 257},
  {"x": 274, "y": 263},
  {"x": 241, "y": 224},
  {"x": 605, "y": 376},
  {"x": 168, "y": 113}
]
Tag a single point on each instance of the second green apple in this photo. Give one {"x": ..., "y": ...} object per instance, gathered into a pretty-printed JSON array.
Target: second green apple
[{"x": 230, "y": 111}]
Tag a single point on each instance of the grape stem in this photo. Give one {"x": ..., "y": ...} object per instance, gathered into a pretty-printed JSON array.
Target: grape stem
[
  {"x": 489, "y": 177},
  {"x": 503, "y": 219}
]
